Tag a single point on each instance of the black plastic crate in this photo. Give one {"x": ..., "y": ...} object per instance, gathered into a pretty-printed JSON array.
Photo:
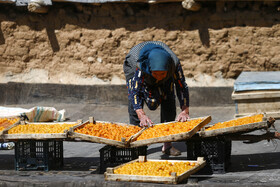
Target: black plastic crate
[
  {"x": 216, "y": 152},
  {"x": 34, "y": 155},
  {"x": 111, "y": 156}
]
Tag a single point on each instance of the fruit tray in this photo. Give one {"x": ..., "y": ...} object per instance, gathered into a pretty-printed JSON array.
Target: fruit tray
[
  {"x": 170, "y": 138},
  {"x": 238, "y": 125},
  {"x": 168, "y": 177},
  {"x": 110, "y": 133},
  {"x": 37, "y": 131}
]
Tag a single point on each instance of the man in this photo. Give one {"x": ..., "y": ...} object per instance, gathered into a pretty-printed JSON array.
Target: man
[{"x": 151, "y": 70}]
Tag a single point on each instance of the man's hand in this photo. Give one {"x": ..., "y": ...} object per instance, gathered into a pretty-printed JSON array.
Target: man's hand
[
  {"x": 184, "y": 115},
  {"x": 145, "y": 121}
]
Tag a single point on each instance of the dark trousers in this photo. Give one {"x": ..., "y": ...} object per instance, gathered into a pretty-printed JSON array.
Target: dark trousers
[{"x": 167, "y": 111}]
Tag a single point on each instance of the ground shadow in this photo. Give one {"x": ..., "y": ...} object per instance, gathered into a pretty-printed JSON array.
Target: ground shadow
[
  {"x": 204, "y": 36},
  {"x": 254, "y": 162},
  {"x": 2, "y": 39},
  {"x": 80, "y": 163},
  {"x": 53, "y": 39},
  {"x": 7, "y": 162},
  {"x": 70, "y": 164}
]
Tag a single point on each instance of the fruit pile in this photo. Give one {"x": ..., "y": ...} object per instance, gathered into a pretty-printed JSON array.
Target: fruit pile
[
  {"x": 108, "y": 130},
  {"x": 40, "y": 128},
  {"x": 236, "y": 122},
  {"x": 169, "y": 129},
  {"x": 6, "y": 122},
  {"x": 155, "y": 168}
]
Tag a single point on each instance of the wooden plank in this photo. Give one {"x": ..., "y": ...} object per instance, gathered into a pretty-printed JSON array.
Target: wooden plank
[
  {"x": 173, "y": 179},
  {"x": 193, "y": 170},
  {"x": 255, "y": 94},
  {"x": 34, "y": 136},
  {"x": 118, "y": 1},
  {"x": 133, "y": 137},
  {"x": 173, "y": 137},
  {"x": 139, "y": 1},
  {"x": 127, "y": 1},
  {"x": 235, "y": 129},
  {"x": 139, "y": 178}
]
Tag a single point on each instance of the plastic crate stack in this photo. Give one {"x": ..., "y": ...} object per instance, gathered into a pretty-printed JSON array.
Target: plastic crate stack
[
  {"x": 111, "y": 156},
  {"x": 34, "y": 154},
  {"x": 216, "y": 152}
]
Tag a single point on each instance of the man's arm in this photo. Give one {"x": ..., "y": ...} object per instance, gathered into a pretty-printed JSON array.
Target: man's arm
[
  {"x": 182, "y": 93},
  {"x": 137, "y": 100}
]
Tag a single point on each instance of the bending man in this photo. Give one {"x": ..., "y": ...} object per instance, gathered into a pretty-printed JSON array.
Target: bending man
[{"x": 151, "y": 71}]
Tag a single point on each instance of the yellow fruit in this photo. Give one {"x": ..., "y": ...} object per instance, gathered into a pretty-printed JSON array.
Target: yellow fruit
[
  {"x": 40, "y": 128},
  {"x": 155, "y": 168},
  {"x": 108, "y": 130},
  {"x": 6, "y": 122},
  {"x": 237, "y": 122},
  {"x": 169, "y": 129}
]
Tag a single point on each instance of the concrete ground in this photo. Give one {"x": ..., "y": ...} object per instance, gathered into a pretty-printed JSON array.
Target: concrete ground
[{"x": 251, "y": 164}]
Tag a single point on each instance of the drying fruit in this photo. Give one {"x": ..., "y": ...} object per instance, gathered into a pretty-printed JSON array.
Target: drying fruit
[
  {"x": 108, "y": 130},
  {"x": 169, "y": 129},
  {"x": 236, "y": 122},
  {"x": 40, "y": 128},
  {"x": 155, "y": 168}
]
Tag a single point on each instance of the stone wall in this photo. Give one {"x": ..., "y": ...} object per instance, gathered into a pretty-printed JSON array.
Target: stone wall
[{"x": 91, "y": 41}]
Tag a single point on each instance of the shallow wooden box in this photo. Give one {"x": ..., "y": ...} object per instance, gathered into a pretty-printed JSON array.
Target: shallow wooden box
[
  {"x": 235, "y": 129},
  {"x": 35, "y": 136},
  {"x": 173, "y": 137},
  {"x": 96, "y": 139},
  {"x": 256, "y": 101},
  {"x": 256, "y": 92},
  {"x": 173, "y": 179}
]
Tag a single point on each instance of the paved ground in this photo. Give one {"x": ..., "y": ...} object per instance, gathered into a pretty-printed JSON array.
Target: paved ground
[{"x": 251, "y": 164}]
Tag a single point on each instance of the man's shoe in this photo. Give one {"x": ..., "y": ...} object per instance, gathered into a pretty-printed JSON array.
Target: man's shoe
[
  {"x": 11, "y": 145},
  {"x": 172, "y": 151}
]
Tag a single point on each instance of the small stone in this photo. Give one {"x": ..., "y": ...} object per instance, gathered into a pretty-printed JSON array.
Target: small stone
[
  {"x": 90, "y": 59},
  {"x": 99, "y": 60}
]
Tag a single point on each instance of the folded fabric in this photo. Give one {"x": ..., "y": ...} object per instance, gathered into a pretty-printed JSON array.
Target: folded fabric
[{"x": 35, "y": 114}]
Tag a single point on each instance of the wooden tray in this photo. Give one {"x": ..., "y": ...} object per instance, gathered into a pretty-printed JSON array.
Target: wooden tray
[
  {"x": 235, "y": 129},
  {"x": 34, "y": 136},
  {"x": 173, "y": 137},
  {"x": 97, "y": 139},
  {"x": 173, "y": 179}
]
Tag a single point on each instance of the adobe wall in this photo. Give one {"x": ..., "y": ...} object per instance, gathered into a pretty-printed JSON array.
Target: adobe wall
[{"x": 75, "y": 41}]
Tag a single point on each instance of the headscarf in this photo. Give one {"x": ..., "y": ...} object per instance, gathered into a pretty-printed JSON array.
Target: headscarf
[{"x": 153, "y": 57}]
